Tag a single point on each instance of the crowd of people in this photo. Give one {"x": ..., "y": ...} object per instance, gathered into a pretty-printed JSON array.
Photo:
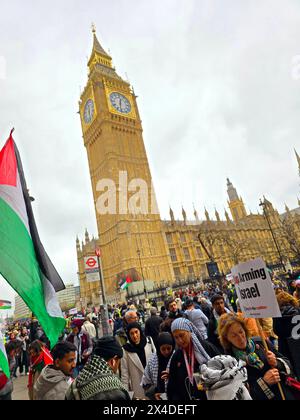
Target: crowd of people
[{"x": 197, "y": 346}]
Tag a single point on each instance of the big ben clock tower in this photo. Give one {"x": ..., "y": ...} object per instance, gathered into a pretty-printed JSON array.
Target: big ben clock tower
[{"x": 129, "y": 225}]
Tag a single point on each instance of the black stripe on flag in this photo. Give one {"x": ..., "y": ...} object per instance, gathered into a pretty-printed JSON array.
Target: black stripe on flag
[{"x": 44, "y": 261}]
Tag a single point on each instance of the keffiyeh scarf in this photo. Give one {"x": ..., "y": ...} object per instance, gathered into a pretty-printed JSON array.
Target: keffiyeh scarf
[
  {"x": 185, "y": 325},
  {"x": 97, "y": 377},
  {"x": 224, "y": 378}
]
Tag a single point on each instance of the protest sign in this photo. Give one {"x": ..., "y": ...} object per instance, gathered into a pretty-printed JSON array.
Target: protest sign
[{"x": 255, "y": 291}]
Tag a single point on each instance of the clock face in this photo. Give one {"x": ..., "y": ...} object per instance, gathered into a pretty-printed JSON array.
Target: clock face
[
  {"x": 89, "y": 110},
  {"x": 120, "y": 103}
]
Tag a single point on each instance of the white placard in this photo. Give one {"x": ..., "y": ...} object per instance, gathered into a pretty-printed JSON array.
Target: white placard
[
  {"x": 73, "y": 311},
  {"x": 91, "y": 269},
  {"x": 255, "y": 291}
]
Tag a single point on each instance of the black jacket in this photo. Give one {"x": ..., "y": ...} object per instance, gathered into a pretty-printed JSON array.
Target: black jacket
[
  {"x": 288, "y": 346},
  {"x": 179, "y": 387},
  {"x": 258, "y": 388},
  {"x": 212, "y": 336},
  {"x": 152, "y": 327}
]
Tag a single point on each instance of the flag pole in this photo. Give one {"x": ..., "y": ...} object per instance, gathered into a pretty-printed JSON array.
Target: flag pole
[{"x": 103, "y": 311}]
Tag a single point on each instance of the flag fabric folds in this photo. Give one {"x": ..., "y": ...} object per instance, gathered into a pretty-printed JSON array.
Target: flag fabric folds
[
  {"x": 124, "y": 285},
  {"x": 23, "y": 261},
  {"x": 4, "y": 366}
]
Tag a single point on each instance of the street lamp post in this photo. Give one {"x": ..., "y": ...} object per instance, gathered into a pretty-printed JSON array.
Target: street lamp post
[
  {"x": 263, "y": 205},
  {"x": 145, "y": 290},
  {"x": 103, "y": 312}
]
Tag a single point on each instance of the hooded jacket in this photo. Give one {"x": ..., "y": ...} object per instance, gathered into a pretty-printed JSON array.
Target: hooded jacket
[{"x": 52, "y": 384}]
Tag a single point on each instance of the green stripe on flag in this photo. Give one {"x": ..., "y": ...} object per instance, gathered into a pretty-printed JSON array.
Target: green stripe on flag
[
  {"x": 18, "y": 265},
  {"x": 3, "y": 358}
]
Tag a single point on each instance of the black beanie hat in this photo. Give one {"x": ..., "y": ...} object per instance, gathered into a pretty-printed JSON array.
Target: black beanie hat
[
  {"x": 107, "y": 348},
  {"x": 165, "y": 338}
]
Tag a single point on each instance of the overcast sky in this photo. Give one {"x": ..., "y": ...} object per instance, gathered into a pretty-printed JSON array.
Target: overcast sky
[{"x": 218, "y": 92}]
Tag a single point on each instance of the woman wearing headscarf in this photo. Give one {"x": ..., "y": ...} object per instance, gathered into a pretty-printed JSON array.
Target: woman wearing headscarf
[
  {"x": 265, "y": 369},
  {"x": 155, "y": 375},
  {"x": 192, "y": 353},
  {"x": 137, "y": 353}
]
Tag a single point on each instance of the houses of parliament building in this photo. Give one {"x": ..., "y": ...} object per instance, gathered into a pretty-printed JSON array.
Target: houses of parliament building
[{"x": 139, "y": 244}]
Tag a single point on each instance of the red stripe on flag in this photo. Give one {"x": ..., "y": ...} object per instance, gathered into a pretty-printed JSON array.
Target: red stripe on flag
[{"x": 8, "y": 164}]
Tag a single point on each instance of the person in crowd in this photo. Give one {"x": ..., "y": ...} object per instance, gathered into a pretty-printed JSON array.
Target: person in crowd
[
  {"x": 130, "y": 317},
  {"x": 55, "y": 379},
  {"x": 147, "y": 307},
  {"x": 155, "y": 374},
  {"x": 23, "y": 337},
  {"x": 266, "y": 369},
  {"x": 89, "y": 328},
  {"x": 218, "y": 306},
  {"x": 205, "y": 306},
  {"x": 137, "y": 353},
  {"x": 197, "y": 317},
  {"x": 196, "y": 301},
  {"x": 83, "y": 344},
  {"x": 179, "y": 303},
  {"x": 283, "y": 327},
  {"x": 6, "y": 384},
  {"x": 296, "y": 293},
  {"x": 192, "y": 352},
  {"x": 118, "y": 323},
  {"x": 152, "y": 325},
  {"x": 39, "y": 358},
  {"x": 141, "y": 312},
  {"x": 267, "y": 328},
  {"x": 232, "y": 296},
  {"x": 163, "y": 313},
  {"x": 98, "y": 379},
  {"x": 165, "y": 326},
  {"x": 174, "y": 311}
]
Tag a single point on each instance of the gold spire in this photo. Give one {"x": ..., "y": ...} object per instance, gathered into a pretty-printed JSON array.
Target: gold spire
[
  {"x": 196, "y": 214},
  {"x": 184, "y": 215},
  {"x": 298, "y": 160},
  {"x": 172, "y": 215},
  {"x": 99, "y": 55},
  {"x": 207, "y": 215}
]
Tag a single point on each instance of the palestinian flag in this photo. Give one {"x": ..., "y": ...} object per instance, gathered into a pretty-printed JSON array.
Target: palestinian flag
[
  {"x": 125, "y": 284},
  {"x": 4, "y": 366},
  {"x": 5, "y": 304},
  {"x": 23, "y": 261}
]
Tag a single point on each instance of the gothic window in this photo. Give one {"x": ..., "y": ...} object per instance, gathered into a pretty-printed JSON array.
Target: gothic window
[
  {"x": 191, "y": 270},
  {"x": 186, "y": 253},
  {"x": 199, "y": 253},
  {"x": 173, "y": 254},
  {"x": 182, "y": 237},
  {"x": 169, "y": 238}
]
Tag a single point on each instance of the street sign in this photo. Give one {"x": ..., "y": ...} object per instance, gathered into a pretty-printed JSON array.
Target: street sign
[
  {"x": 91, "y": 269},
  {"x": 98, "y": 252}
]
